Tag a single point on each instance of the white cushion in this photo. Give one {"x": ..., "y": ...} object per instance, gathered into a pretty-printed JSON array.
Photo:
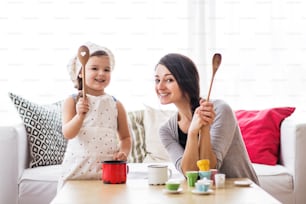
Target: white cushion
[
  {"x": 276, "y": 180},
  {"x": 39, "y": 185},
  {"x": 153, "y": 119},
  {"x": 42, "y": 173},
  {"x": 37, "y": 192},
  {"x": 269, "y": 170},
  {"x": 281, "y": 186}
]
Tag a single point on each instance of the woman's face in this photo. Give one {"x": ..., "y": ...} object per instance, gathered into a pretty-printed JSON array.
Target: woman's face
[{"x": 166, "y": 87}]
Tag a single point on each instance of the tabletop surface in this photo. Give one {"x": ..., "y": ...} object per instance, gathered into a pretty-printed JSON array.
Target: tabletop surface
[{"x": 139, "y": 191}]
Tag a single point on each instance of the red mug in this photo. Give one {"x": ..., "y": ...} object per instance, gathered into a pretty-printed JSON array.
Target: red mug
[{"x": 114, "y": 172}]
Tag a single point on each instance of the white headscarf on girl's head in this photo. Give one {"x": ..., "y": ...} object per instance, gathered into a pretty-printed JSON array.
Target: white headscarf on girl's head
[{"x": 74, "y": 66}]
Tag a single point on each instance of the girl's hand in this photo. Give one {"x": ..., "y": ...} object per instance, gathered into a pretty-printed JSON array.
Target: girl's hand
[
  {"x": 120, "y": 156},
  {"x": 82, "y": 106}
]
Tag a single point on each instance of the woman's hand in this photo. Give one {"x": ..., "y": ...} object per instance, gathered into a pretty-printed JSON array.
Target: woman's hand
[
  {"x": 82, "y": 106},
  {"x": 206, "y": 112},
  {"x": 204, "y": 115},
  {"x": 120, "y": 156}
]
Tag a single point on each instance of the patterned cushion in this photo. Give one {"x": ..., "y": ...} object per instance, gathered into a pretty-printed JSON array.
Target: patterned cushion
[
  {"x": 44, "y": 131},
  {"x": 138, "y": 151}
]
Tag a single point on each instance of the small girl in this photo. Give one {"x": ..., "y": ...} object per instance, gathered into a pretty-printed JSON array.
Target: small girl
[{"x": 91, "y": 124}]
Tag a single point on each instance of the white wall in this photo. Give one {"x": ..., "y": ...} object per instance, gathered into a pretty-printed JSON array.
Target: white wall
[{"x": 262, "y": 43}]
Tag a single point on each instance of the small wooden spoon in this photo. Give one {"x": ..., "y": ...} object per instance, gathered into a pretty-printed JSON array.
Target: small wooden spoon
[
  {"x": 216, "y": 61},
  {"x": 83, "y": 55}
]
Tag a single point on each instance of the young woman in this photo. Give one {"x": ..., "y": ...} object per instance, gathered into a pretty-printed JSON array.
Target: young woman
[
  {"x": 91, "y": 124},
  {"x": 200, "y": 129}
]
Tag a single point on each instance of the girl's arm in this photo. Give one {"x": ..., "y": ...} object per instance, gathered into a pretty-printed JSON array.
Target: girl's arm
[
  {"x": 73, "y": 116},
  {"x": 124, "y": 134}
]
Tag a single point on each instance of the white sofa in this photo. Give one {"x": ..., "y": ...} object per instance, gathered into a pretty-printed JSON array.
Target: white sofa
[{"x": 20, "y": 184}]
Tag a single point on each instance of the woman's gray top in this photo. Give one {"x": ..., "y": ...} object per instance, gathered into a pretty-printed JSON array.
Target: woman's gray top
[{"x": 226, "y": 139}]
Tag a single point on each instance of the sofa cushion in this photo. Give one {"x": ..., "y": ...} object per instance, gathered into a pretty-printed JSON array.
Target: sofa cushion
[
  {"x": 138, "y": 150},
  {"x": 39, "y": 185},
  {"x": 280, "y": 187},
  {"x": 153, "y": 119},
  {"x": 261, "y": 132},
  {"x": 43, "y": 125},
  {"x": 270, "y": 170},
  {"x": 276, "y": 180}
]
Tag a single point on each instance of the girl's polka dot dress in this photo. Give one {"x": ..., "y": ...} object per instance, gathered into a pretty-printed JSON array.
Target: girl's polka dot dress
[{"x": 97, "y": 141}]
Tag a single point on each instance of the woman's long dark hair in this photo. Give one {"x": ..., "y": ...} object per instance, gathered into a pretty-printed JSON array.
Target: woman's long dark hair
[{"x": 186, "y": 74}]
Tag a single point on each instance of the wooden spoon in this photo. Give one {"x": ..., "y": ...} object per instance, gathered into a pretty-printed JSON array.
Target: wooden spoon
[
  {"x": 83, "y": 55},
  {"x": 216, "y": 61}
]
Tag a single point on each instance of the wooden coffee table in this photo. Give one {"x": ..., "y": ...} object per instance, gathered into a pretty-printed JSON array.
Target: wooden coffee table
[{"x": 138, "y": 191}]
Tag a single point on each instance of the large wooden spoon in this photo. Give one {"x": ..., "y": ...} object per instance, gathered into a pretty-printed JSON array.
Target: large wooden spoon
[
  {"x": 216, "y": 61},
  {"x": 83, "y": 55}
]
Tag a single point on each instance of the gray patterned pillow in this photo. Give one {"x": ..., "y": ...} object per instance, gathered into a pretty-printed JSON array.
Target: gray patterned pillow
[
  {"x": 138, "y": 151},
  {"x": 44, "y": 131}
]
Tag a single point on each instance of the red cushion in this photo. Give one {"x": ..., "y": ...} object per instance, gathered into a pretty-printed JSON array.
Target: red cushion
[{"x": 261, "y": 132}]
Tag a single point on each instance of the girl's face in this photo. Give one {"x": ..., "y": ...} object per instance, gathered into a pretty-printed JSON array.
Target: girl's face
[
  {"x": 97, "y": 74},
  {"x": 166, "y": 87}
]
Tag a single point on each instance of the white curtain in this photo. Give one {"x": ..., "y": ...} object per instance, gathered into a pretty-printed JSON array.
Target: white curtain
[
  {"x": 202, "y": 39},
  {"x": 262, "y": 44},
  {"x": 263, "y": 48}
]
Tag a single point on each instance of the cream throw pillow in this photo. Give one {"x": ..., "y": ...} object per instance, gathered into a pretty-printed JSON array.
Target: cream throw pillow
[{"x": 153, "y": 119}]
